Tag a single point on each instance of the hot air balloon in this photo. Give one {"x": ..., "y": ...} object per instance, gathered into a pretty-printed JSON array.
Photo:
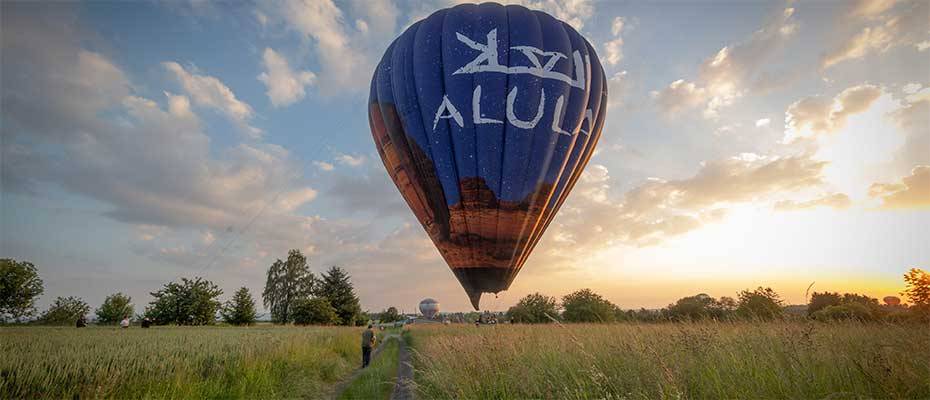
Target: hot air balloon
[
  {"x": 892, "y": 300},
  {"x": 485, "y": 116},
  {"x": 429, "y": 308}
]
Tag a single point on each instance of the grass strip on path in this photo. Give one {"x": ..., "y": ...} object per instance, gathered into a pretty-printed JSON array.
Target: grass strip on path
[{"x": 377, "y": 381}]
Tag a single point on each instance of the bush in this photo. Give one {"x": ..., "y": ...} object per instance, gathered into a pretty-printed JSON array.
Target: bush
[
  {"x": 64, "y": 311},
  {"x": 316, "y": 311},
  {"x": 846, "y": 311},
  {"x": 114, "y": 308},
  {"x": 533, "y": 309},
  {"x": 587, "y": 306},
  {"x": 240, "y": 310},
  {"x": 762, "y": 303}
]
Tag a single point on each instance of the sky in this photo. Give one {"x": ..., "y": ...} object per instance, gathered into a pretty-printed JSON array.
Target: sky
[{"x": 746, "y": 144}]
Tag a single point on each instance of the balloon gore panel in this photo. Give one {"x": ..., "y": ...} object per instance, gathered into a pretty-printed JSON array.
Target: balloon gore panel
[{"x": 485, "y": 116}]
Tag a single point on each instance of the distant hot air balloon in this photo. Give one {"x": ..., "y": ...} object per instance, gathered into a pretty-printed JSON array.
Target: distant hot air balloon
[
  {"x": 429, "y": 308},
  {"x": 892, "y": 300},
  {"x": 485, "y": 116}
]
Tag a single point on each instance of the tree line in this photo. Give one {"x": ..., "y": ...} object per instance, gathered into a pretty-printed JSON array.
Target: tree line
[
  {"x": 292, "y": 293},
  {"x": 759, "y": 304}
]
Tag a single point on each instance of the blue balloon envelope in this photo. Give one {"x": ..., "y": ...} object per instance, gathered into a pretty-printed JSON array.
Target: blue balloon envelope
[{"x": 485, "y": 116}]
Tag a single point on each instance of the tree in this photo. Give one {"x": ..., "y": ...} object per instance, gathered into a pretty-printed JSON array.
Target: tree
[
  {"x": 315, "y": 311},
  {"x": 762, "y": 303},
  {"x": 20, "y": 285},
  {"x": 390, "y": 315},
  {"x": 533, "y": 309},
  {"x": 847, "y": 310},
  {"x": 114, "y": 308},
  {"x": 240, "y": 310},
  {"x": 64, "y": 311},
  {"x": 827, "y": 306},
  {"x": 188, "y": 302},
  {"x": 691, "y": 308},
  {"x": 288, "y": 282},
  {"x": 819, "y": 301},
  {"x": 918, "y": 287},
  {"x": 918, "y": 292},
  {"x": 587, "y": 306},
  {"x": 336, "y": 287}
]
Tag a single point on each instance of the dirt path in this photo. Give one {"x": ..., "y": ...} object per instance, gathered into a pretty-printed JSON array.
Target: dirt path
[
  {"x": 403, "y": 386},
  {"x": 374, "y": 354},
  {"x": 403, "y": 389}
]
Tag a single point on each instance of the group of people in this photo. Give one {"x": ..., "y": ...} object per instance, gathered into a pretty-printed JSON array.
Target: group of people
[{"x": 125, "y": 323}]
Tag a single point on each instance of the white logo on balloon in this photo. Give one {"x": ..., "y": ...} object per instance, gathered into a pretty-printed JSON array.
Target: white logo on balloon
[{"x": 487, "y": 61}]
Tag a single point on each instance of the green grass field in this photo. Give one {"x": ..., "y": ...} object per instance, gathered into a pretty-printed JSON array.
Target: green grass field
[
  {"x": 175, "y": 362},
  {"x": 789, "y": 360}
]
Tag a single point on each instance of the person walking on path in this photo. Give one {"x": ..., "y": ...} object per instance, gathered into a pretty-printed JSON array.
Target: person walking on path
[{"x": 368, "y": 341}]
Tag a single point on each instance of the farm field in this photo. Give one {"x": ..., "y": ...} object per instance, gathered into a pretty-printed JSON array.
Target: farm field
[
  {"x": 175, "y": 362},
  {"x": 793, "y": 360},
  {"x": 572, "y": 361}
]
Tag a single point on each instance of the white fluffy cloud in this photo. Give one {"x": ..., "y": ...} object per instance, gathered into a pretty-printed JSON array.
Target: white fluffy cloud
[
  {"x": 324, "y": 166},
  {"x": 285, "y": 86},
  {"x": 816, "y": 114},
  {"x": 614, "y": 48},
  {"x": 912, "y": 192},
  {"x": 151, "y": 163},
  {"x": 210, "y": 92},
  {"x": 345, "y": 48},
  {"x": 888, "y": 27},
  {"x": 725, "y": 76},
  {"x": 835, "y": 200},
  {"x": 659, "y": 209},
  {"x": 350, "y": 160}
]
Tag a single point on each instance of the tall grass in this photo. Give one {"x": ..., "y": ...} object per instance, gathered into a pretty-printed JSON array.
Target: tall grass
[
  {"x": 175, "y": 362},
  {"x": 376, "y": 381},
  {"x": 700, "y": 360}
]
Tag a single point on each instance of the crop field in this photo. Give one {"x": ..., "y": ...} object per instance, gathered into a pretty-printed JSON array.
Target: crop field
[
  {"x": 792, "y": 360},
  {"x": 175, "y": 362},
  {"x": 624, "y": 360}
]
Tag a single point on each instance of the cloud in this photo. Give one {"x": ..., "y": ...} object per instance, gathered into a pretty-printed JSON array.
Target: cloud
[
  {"x": 656, "y": 210},
  {"x": 618, "y": 85},
  {"x": 342, "y": 49},
  {"x": 913, "y": 121},
  {"x": 350, "y": 160},
  {"x": 210, "y": 92},
  {"x": 762, "y": 122},
  {"x": 680, "y": 95},
  {"x": 817, "y": 114},
  {"x": 574, "y": 12},
  {"x": 614, "y": 48},
  {"x": 372, "y": 192},
  {"x": 835, "y": 200},
  {"x": 868, "y": 8},
  {"x": 905, "y": 25},
  {"x": 912, "y": 192},
  {"x": 285, "y": 86},
  {"x": 324, "y": 166},
  {"x": 727, "y": 75},
  {"x": 150, "y": 163}
]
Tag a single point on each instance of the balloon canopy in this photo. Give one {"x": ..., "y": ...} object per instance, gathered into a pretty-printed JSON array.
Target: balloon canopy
[
  {"x": 485, "y": 116},
  {"x": 892, "y": 300},
  {"x": 429, "y": 308}
]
